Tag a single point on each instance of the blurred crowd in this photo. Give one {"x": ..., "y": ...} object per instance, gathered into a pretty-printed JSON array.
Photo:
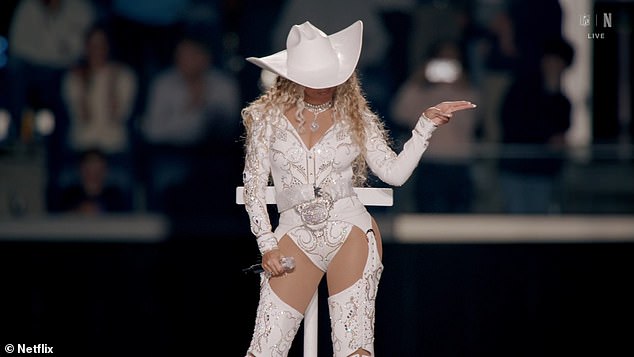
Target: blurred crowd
[{"x": 143, "y": 97}]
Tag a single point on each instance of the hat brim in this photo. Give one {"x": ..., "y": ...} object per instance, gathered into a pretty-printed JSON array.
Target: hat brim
[{"x": 346, "y": 44}]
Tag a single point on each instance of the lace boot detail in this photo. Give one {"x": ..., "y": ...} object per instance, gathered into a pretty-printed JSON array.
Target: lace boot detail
[
  {"x": 276, "y": 325},
  {"x": 352, "y": 311}
]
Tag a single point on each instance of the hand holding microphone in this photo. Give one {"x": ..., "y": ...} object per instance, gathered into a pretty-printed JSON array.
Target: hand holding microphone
[{"x": 287, "y": 264}]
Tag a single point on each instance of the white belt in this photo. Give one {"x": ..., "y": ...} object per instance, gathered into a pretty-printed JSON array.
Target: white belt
[{"x": 313, "y": 203}]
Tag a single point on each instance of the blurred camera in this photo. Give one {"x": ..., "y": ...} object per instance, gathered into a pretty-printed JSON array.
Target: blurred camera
[{"x": 443, "y": 70}]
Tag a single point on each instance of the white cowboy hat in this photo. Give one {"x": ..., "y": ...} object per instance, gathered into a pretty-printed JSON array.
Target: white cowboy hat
[{"x": 313, "y": 59}]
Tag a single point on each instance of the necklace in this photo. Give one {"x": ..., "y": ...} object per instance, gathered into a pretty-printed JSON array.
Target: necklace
[{"x": 316, "y": 110}]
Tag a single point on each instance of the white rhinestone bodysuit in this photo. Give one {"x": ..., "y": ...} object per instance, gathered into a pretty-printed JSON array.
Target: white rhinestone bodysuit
[{"x": 274, "y": 148}]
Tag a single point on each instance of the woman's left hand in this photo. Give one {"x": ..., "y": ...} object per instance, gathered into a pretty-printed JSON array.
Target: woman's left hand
[{"x": 440, "y": 114}]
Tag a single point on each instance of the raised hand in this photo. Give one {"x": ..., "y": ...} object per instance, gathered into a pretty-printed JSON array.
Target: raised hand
[{"x": 440, "y": 113}]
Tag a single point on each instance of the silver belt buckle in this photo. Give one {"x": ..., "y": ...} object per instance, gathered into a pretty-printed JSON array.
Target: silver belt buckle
[{"x": 317, "y": 210}]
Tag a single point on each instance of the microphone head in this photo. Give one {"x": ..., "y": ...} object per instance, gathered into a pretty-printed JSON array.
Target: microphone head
[{"x": 288, "y": 263}]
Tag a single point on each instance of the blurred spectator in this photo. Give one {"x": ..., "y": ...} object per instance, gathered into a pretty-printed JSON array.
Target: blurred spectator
[
  {"x": 94, "y": 193},
  {"x": 504, "y": 40},
  {"x": 536, "y": 112},
  {"x": 46, "y": 37},
  {"x": 192, "y": 100},
  {"x": 211, "y": 18},
  {"x": 443, "y": 182},
  {"x": 192, "y": 107},
  {"x": 398, "y": 21},
  {"x": 99, "y": 94},
  {"x": 145, "y": 33},
  {"x": 433, "y": 20}
]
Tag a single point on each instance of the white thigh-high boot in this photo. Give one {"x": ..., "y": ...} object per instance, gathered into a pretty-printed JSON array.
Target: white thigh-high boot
[
  {"x": 352, "y": 310},
  {"x": 276, "y": 325}
]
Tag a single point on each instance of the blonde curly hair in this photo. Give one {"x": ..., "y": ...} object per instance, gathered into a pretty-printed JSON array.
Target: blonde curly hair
[{"x": 349, "y": 106}]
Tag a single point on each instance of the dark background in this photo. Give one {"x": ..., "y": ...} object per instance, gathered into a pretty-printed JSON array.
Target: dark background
[{"x": 188, "y": 296}]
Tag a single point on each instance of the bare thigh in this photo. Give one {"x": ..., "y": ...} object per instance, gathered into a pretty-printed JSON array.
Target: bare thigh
[
  {"x": 297, "y": 287},
  {"x": 347, "y": 266}
]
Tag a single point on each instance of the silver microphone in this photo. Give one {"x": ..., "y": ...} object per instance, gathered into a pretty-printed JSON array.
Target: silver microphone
[{"x": 288, "y": 263}]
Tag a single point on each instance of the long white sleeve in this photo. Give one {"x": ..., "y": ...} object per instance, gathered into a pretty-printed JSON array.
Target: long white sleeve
[
  {"x": 255, "y": 177},
  {"x": 391, "y": 168}
]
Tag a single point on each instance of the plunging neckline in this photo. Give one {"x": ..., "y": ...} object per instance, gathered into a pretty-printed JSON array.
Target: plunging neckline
[{"x": 299, "y": 137}]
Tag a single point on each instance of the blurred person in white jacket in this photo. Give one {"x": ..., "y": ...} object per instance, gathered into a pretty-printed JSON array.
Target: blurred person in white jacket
[{"x": 191, "y": 108}]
